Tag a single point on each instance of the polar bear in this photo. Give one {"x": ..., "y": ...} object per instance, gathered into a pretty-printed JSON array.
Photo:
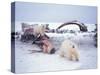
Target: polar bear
[
  {"x": 69, "y": 50},
  {"x": 39, "y": 29}
]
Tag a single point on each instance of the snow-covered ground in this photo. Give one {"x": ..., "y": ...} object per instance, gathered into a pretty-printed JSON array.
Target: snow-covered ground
[{"x": 25, "y": 61}]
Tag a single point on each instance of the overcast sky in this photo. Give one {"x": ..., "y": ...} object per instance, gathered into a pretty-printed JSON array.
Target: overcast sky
[{"x": 37, "y": 12}]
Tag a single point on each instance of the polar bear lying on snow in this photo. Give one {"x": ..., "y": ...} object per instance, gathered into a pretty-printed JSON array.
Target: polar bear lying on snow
[{"x": 69, "y": 50}]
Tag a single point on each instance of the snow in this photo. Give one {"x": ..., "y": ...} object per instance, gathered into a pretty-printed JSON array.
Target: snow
[
  {"x": 40, "y": 62},
  {"x": 25, "y": 61}
]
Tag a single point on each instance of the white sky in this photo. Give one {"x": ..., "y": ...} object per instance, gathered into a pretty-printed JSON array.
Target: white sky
[{"x": 41, "y": 12}]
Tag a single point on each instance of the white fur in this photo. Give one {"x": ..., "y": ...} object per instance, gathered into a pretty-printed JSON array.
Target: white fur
[
  {"x": 39, "y": 30},
  {"x": 67, "y": 50}
]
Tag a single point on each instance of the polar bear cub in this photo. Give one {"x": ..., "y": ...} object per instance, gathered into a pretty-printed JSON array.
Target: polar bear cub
[{"x": 69, "y": 50}]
